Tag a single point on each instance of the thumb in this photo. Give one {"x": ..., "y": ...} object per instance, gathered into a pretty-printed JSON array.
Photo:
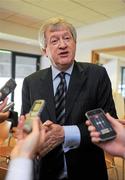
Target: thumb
[
  {"x": 36, "y": 125},
  {"x": 114, "y": 122}
]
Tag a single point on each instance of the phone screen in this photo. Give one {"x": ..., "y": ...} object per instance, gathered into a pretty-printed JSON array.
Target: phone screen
[{"x": 36, "y": 107}]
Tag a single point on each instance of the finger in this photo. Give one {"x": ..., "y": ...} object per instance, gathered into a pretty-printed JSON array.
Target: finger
[
  {"x": 21, "y": 121},
  {"x": 95, "y": 140},
  {"x": 88, "y": 122},
  {"x": 113, "y": 121},
  {"x": 95, "y": 134},
  {"x": 48, "y": 123},
  {"x": 91, "y": 128},
  {"x": 3, "y": 104},
  {"x": 6, "y": 99},
  {"x": 122, "y": 122},
  {"x": 36, "y": 125}
]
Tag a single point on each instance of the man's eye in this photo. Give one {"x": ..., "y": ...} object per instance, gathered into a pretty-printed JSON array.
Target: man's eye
[
  {"x": 53, "y": 41},
  {"x": 67, "y": 38}
]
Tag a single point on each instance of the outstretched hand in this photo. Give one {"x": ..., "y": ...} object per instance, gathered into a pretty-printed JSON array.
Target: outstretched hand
[
  {"x": 27, "y": 144},
  {"x": 116, "y": 146}
]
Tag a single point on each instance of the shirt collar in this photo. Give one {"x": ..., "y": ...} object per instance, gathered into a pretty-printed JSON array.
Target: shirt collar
[{"x": 55, "y": 71}]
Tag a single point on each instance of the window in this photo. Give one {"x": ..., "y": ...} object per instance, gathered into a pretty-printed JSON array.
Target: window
[
  {"x": 122, "y": 88},
  {"x": 17, "y": 66},
  {"x": 5, "y": 67}
]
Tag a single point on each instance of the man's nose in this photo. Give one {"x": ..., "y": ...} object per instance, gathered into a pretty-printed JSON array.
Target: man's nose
[{"x": 62, "y": 43}]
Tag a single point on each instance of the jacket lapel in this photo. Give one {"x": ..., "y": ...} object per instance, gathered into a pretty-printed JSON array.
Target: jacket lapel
[
  {"x": 77, "y": 81},
  {"x": 48, "y": 93}
]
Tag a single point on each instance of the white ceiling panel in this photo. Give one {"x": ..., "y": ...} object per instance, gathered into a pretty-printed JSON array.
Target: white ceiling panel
[
  {"x": 102, "y": 6},
  {"x": 30, "y": 14},
  {"x": 80, "y": 12},
  {"x": 119, "y": 12},
  {"x": 5, "y": 13},
  {"x": 21, "y": 19}
]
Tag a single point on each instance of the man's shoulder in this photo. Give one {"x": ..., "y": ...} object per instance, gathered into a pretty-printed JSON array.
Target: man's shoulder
[
  {"x": 37, "y": 74},
  {"x": 89, "y": 66}
]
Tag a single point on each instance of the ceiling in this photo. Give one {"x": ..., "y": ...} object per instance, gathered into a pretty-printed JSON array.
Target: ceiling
[{"x": 31, "y": 13}]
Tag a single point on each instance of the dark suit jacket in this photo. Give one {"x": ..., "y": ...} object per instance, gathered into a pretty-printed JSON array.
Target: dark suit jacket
[{"x": 89, "y": 88}]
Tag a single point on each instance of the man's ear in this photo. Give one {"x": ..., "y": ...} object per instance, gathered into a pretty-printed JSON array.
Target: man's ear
[{"x": 44, "y": 52}]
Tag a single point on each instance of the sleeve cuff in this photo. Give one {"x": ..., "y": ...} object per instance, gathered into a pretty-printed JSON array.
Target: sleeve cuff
[{"x": 72, "y": 137}]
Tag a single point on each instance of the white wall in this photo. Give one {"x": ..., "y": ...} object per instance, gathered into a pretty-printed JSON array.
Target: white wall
[
  {"x": 105, "y": 34},
  {"x": 112, "y": 70}
]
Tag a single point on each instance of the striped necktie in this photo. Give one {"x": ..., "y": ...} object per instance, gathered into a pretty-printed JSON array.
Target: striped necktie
[{"x": 60, "y": 99}]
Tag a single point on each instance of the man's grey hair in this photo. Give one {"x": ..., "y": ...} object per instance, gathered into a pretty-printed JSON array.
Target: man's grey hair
[{"x": 54, "y": 24}]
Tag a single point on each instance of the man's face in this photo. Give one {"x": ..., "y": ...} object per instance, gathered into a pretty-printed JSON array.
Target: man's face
[{"x": 60, "y": 48}]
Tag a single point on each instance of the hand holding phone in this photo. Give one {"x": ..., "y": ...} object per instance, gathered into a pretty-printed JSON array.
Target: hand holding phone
[
  {"x": 7, "y": 89},
  {"x": 35, "y": 110},
  {"x": 8, "y": 107},
  {"x": 101, "y": 123}
]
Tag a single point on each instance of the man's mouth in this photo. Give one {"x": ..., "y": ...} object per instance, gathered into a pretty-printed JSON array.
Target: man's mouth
[{"x": 63, "y": 54}]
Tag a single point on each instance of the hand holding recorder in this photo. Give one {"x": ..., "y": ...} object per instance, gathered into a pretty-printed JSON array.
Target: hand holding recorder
[
  {"x": 7, "y": 89},
  {"x": 35, "y": 111},
  {"x": 8, "y": 107}
]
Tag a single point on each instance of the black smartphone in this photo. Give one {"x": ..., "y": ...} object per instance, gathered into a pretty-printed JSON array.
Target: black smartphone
[
  {"x": 101, "y": 123},
  {"x": 7, "y": 89},
  {"x": 35, "y": 110},
  {"x": 8, "y": 106}
]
